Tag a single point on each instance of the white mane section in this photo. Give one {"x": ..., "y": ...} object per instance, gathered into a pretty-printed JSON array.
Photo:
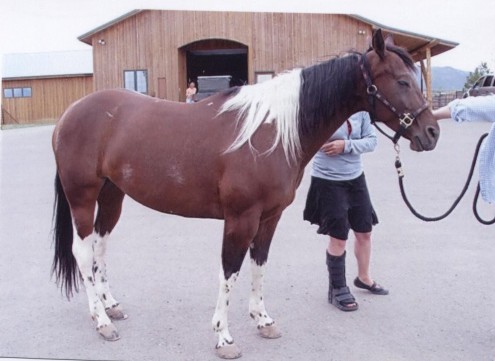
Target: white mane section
[{"x": 276, "y": 101}]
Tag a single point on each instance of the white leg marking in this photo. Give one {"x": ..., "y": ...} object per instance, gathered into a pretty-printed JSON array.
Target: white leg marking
[
  {"x": 220, "y": 318},
  {"x": 266, "y": 325},
  {"x": 101, "y": 281},
  {"x": 257, "y": 309},
  {"x": 83, "y": 251}
]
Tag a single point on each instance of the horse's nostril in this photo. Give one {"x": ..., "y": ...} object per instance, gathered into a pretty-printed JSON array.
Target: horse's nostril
[{"x": 432, "y": 132}]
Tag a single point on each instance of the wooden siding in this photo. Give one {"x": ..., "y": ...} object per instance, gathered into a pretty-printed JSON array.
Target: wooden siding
[
  {"x": 49, "y": 98},
  {"x": 157, "y": 40}
]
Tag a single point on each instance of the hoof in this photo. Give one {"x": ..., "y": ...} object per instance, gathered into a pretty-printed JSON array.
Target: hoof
[
  {"x": 271, "y": 331},
  {"x": 116, "y": 313},
  {"x": 108, "y": 332},
  {"x": 228, "y": 352}
]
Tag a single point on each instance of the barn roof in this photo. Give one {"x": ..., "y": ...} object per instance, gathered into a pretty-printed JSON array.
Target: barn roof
[
  {"x": 49, "y": 64},
  {"x": 413, "y": 42}
]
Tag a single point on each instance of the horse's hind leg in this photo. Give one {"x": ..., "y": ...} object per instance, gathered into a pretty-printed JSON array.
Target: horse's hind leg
[
  {"x": 259, "y": 255},
  {"x": 238, "y": 234},
  {"x": 109, "y": 210},
  {"x": 83, "y": 203}
]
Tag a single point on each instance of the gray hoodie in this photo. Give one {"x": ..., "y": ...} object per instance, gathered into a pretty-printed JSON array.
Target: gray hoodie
[{"x": 347, "y": 165}]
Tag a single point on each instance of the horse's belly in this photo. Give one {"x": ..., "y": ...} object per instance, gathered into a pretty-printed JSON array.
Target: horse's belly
[{"x": 184, "y": 201}]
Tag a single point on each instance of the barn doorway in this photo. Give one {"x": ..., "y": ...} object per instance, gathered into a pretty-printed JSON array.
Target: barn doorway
[
  {"x": 214, "y": 57},
  {"x": 232, "y": 62}
]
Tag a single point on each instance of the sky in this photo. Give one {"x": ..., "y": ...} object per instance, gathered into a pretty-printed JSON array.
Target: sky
[{"x": 28, "y": 26}]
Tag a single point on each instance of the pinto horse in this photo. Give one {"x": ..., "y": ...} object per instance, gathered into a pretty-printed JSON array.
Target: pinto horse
[{"x": 238, "y": 155}]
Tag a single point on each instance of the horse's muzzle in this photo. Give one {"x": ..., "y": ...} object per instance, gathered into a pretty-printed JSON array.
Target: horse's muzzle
[{"x": 427, "y": 141}]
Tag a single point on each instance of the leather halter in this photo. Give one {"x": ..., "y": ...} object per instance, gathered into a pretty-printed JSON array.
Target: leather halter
[{"x": 405, "y": 119}]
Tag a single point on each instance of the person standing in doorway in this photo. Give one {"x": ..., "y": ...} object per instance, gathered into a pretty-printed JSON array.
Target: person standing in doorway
[
  {"x": 338, "y": 200},
  {"x": 191, "y": 93}
]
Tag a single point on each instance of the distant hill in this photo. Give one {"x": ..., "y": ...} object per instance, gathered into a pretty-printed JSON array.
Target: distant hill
[{"x": 446, "y": 78}]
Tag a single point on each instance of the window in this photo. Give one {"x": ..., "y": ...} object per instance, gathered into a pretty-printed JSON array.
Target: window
[
  {"x": 136, "y": 80},
  {"x": 17, "y": 92},
  {"x": 8, "y": 93},
  {"x": 26, "y": 92},
  {"x": 488, "y": 80}
]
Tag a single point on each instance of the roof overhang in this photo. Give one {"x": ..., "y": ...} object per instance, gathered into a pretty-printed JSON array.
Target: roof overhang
[
  {"x": 86, "y": 38},
  {"x": 416, "y": 44}
]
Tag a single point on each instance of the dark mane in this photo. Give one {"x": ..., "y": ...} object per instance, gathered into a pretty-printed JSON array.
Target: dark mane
[
  {"x": 326, "y": 87},
  {"x": 329, "y": 86},
  {"x": 404, "y": 55}
]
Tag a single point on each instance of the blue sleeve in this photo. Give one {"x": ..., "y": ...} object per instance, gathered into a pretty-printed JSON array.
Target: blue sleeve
[
  {"x": 473, "y": 109},
  {"x": 366, "y": 140}
]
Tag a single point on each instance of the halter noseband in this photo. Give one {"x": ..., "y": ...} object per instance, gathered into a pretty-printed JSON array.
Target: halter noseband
[{"x": 405, "y": 119}]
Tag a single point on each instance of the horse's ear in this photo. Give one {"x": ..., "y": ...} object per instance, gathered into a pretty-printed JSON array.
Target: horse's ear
[{"x": 378, "y": 44}]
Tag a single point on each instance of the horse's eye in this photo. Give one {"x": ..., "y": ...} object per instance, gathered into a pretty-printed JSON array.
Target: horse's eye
[{"x": 403, "y": 83}]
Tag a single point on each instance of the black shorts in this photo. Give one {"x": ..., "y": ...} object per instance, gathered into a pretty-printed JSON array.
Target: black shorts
[{"x": 337, "y": 206}]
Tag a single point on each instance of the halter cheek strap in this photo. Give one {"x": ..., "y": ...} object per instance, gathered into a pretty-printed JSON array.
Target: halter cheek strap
[{"x": 405, "y": 119}]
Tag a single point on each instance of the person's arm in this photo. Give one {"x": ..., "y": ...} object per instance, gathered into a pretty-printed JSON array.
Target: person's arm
[
  {"x": 470, "y": 109},
  {"x": 442, "y": 113},
  {"x": 367, "y": 142}
]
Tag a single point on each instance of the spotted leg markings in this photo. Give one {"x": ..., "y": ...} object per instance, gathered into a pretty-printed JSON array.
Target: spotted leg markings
[
  {"x": 83, "y": 250},
  {"x": 266, "y": 325},
  {"x": 225, "y": 347},
  {"x": 112, "y": 307}
]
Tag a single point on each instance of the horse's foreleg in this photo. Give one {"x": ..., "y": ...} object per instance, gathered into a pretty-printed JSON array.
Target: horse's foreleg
[
  {"x": 225, "y": 347},
  {"x": 259, "y": 255},
  {"x": 238, "y": 234}
]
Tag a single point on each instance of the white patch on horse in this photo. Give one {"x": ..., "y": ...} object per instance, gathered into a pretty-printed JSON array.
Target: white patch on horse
[
  {"x": 174, "y": 172},
  {"x": 110, "y": 115},
  {"x": 257, "y": 309},
  {"x": 100, "y": 272},
  {"x": 83, "y": 251},
  {"x": 220, "y": 318},
  {"x": 275, "y": 101},
  {"x": 127, "y": 172}
]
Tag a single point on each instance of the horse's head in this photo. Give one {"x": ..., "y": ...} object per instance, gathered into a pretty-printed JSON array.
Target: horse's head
[{"x": 394, "y": 97}]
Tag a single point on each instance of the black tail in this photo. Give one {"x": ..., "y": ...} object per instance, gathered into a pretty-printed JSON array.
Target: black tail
[{"x": 64, "y": 264}]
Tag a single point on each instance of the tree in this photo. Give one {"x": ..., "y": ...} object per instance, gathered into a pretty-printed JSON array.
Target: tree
[{"x": 480, "y": 70}]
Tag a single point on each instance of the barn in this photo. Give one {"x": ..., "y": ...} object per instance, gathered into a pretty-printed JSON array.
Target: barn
[
  {"x": 157, "y": 52},
  {"x": 37, "y": 87}
]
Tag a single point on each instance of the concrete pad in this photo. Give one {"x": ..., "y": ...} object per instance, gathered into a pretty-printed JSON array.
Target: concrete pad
[{"x": 164, "y": 271}]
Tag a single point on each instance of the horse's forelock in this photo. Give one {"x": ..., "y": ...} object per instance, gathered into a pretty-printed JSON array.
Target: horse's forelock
[{"x": 404, "y": 55}]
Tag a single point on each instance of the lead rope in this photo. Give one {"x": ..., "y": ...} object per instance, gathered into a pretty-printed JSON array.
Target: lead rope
[{"x": 400, "y": 173}]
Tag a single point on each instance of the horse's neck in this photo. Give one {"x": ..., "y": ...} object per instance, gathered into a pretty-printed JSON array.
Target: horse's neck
[
  {"x": 333, "y": 89},
  {"x": 312, "y": 142}
]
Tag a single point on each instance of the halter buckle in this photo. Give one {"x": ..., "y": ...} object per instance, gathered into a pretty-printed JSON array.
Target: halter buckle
[
  {"x": 372, "y": 89},
  {"x": 406, "y": 120}
]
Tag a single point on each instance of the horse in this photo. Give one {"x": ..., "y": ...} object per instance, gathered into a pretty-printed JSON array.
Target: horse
[{"x": 238, "y": 156}]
